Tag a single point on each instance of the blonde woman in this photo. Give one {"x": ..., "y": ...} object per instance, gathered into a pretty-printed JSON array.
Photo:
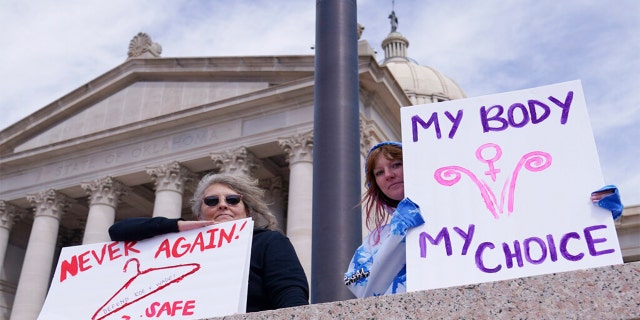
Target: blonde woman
[{"x": 276, "y": 277}]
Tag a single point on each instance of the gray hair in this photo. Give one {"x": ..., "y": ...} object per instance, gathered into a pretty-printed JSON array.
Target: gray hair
[{"x": 252, "y": 197}]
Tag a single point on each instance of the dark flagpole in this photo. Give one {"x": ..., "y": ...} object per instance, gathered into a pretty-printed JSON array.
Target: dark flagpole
[{"x": 336, "y": 150}]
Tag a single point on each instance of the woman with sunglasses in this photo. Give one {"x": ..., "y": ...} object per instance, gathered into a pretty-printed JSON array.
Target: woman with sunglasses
[
  {"x": 276, "y": 277},
  {"x": 378, "y": 266}
]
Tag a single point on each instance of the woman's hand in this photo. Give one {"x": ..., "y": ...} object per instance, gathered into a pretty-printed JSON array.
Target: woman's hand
[
  {"x": 598, "y": 195},
  {"x": 190, "y": 225},
  {"x": 608, "y": 197}
]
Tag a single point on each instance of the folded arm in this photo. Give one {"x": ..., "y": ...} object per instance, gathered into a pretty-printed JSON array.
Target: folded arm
[{"x": 374, "y": 266}]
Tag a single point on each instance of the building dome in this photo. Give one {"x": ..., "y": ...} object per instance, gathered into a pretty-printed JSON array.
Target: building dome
[{"x": 422, "y": 84}]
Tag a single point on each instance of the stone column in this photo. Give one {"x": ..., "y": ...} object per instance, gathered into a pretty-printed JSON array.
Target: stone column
[
  {"x": 299, "y": 149},
  {"x": 49, "y": 206},
  {"x": 239, "y": 160},
  {"x": 104, "y": 195},
  {"x": 170, "y": 181},
  {"x": 274, "y": 196},
  {"x": 9, "y": 215}
]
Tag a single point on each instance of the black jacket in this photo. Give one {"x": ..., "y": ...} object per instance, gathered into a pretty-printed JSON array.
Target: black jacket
[{"x": 276, "y": 278}]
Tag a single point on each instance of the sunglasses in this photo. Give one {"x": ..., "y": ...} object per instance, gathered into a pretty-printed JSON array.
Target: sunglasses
[{"x": 232, "y": 200}]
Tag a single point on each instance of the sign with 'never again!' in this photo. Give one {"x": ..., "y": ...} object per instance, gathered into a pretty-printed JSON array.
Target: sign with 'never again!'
[{"x": 194, "y": 274}]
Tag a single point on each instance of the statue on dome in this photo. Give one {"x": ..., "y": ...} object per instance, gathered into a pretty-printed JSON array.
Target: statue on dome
[{"x": 394, "y": 21}]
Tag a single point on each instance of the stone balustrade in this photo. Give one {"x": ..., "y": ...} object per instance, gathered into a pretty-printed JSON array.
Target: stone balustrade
[{"x": 611, "y": 292}]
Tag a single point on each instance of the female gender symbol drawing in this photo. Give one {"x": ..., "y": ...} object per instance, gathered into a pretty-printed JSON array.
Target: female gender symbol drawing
[{"x": 533, "y": 161}]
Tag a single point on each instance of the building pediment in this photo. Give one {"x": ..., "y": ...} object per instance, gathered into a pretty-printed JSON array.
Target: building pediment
[
  {"x": 146, "y": 112},
  {"x": 144, "y": 90}
]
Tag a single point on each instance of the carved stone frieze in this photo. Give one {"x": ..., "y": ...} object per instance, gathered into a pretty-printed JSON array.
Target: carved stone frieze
[
  {"x": 298, "y": 147},
  {"x": 366, "y": 137},
  {"x": 50, "y": 203},
  {"x": 105, "y": 190},
  {"x": 271, "y": 184},
  {"x": 173, "y": 177},
  {"x": 10, "y": 214},
  {"x": 238, "y": 160},
  {"x": 141, "y": 46}
]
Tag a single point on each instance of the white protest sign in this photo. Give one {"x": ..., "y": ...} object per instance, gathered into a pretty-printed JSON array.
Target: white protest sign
[
  {"x": 195, "y": 274},
  {"x": 503, "y": 182}
]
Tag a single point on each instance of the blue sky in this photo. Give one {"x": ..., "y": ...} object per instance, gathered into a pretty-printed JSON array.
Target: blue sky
[{"x": 53, "y": 47}]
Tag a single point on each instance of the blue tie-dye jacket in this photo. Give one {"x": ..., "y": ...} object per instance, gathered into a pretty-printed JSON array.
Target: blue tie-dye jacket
[{"x": 380, "y": 268}]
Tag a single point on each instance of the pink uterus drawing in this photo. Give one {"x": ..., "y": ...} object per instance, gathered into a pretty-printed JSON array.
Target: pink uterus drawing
[{"x": 533, "y": 161}]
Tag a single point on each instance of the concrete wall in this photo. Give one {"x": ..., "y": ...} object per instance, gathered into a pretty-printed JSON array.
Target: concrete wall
[{"x": 611, "y": 292}]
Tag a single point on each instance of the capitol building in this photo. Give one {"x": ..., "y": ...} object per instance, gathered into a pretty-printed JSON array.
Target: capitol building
[{"x": 135, "y": 140}]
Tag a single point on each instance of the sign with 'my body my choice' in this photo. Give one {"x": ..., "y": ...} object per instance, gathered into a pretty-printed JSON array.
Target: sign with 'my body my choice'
[{"x": 503, "y": 182}]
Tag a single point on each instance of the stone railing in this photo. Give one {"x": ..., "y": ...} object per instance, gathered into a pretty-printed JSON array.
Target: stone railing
[{"x": 611, "y": 292}]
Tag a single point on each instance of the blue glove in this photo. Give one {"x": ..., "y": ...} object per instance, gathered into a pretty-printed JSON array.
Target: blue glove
[{"x": 611, "y": 202}]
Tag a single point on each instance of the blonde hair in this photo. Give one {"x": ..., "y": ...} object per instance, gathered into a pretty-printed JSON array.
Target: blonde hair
[{"x": 252, "y": 197}]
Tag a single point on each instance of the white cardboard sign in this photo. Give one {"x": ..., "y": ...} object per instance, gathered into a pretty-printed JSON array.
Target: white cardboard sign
[
  {"x": 503, "y": 182},
  {"x": 195, "y": 274}
]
